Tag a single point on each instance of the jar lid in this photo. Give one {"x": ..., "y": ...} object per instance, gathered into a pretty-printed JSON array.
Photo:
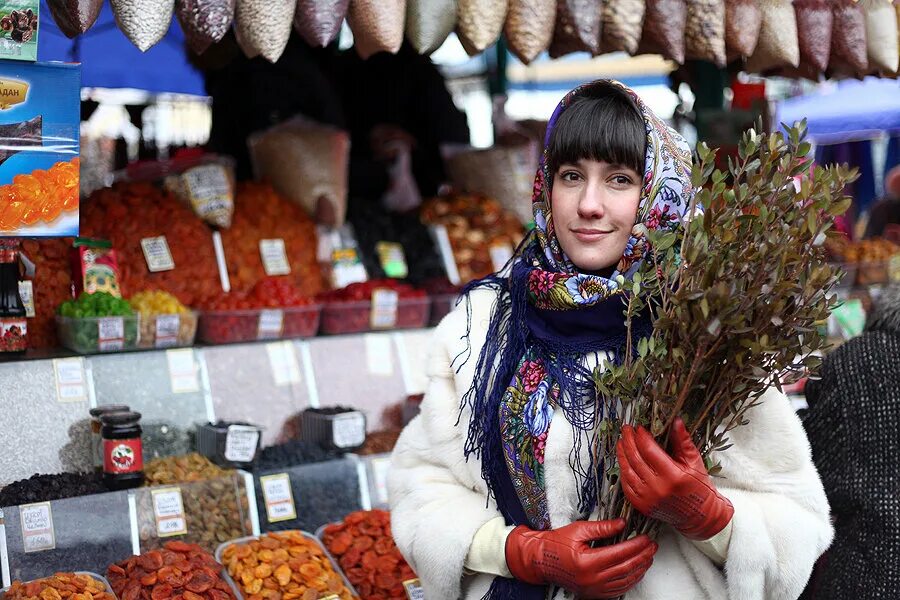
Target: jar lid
[
  {"x": 109, "y": 408},
  {"x": 120, "y": 418}
]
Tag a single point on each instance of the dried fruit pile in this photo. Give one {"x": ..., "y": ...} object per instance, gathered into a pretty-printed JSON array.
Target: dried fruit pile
[
  {"x": 179, "y": 571},
  {"x": 182, "y": 469},
  {"x": 261, "y": 213},
  {"x": 44, "y": 488},
  {"x": 129, "y": 212},
  {"x": 52, "y": 286},
  {"x": 349, "y": 309},
  {"x": 284, "y": 565},
  {"x": 61, "y": 585},
  {"x": 475, "y": 224},
  {"x": 368, "y": 556},
  {"x": 39, "y": 196}
]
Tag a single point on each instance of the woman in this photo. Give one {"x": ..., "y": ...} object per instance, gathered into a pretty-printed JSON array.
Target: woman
[
  {"x": 492, "y": 487},
  {"x": 854, "y": 413}
]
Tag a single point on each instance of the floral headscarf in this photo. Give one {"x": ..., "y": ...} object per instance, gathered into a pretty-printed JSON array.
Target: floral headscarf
[{"x": 548, "y": 316}]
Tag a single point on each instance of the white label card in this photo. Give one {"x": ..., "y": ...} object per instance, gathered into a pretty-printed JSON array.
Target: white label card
[
  {"x": 168, "y": 509},
  {"x": 349, "y": 430},
  {"x": 167, "y": 327},
  {"x": 384, "y": 308},
  {"x": 279, "y": 497},
  {"x": 157, "y": 254},
  {"x": 26, "y": 293},
  {"x": 500, "y": 255},
  {"x": 70, "y": 380},
  {"x": 283, "y": 360},
  {"x": 414, "y": 590},
  {"x": 241, "y": 442},
  {"x": 380, "y": 468},
  {"x": 271, "y": 323},
  {"x": 37, "y": 527},
  {"x": 182, "y": 371},
  {"x": 110, "y": 333},
  {"x": 379, "y": 354},
  {"x": 274, "y": 257}
]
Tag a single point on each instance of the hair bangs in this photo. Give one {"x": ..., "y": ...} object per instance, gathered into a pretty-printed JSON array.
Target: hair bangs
[{"x": 604, "y": 126}]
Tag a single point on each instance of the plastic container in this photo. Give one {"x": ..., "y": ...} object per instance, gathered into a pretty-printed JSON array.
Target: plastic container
[
  {"x": 241, "y": 453},
  {"x": 90, "y": 574},
  {"x": 334, "y": 564},
  {"x": 344, "y": 431},
  {"x": 92, "y": 335},
  {"x": 233, "y": 326},
  {"x": 441, "y": 306},
  {"x": 872, "y": 272},
  {"x": 169, "y": 331},
  {"x": 357, "y": 317}
]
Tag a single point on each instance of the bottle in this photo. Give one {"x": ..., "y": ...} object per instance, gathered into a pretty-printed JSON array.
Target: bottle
[
  {"x": 123, "y": 457},
  {"x": 13, "y": 324},
  {"x": 96, "y": 437}
]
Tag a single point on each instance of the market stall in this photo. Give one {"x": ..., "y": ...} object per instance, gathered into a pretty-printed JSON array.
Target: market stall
[{"x": 203, "y": 373}]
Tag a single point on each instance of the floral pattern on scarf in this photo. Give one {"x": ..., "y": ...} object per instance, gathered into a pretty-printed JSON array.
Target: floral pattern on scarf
[{"x": 553, "y": 283}]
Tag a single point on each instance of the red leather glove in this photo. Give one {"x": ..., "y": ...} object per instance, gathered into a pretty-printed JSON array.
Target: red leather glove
[
  {"x": 674, "y": 489},
  {"x": 563, "y": 557}
]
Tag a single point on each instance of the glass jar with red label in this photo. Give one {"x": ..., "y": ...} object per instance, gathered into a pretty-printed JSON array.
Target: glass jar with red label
[
  {"x": 13, "y": 324},
  {"x": 123, "y": 458}
]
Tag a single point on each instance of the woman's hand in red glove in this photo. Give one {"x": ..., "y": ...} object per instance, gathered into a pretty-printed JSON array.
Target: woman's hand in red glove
[
  {"x": 674, "y": 489},
  {"x": 563, "y": 557}
]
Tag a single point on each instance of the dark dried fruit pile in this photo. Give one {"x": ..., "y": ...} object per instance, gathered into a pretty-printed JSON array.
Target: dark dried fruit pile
[
  {"x": 296, "y": 452},
  {"x": 44, "y": 488},
  {"x": 179, "y": 571},
  {"x": 365, "y": 549}
]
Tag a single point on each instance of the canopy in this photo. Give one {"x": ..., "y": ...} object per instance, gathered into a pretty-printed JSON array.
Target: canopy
[
  {"x": 851, "y": 110},
  {"x": 109, "y": 60}
]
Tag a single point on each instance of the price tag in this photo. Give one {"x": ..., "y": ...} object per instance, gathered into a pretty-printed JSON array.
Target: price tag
[
  {"x": 26, "y": 293},
  {"x": 392, "y": 259},
  {"x": 500, "y": 256},
  {"x": 893, "y": 270},
  {"x": 274, "y": 257},
  {"x": 850, "y": 317},
  {"x": 182, "y": 371},
  {"x": 414, "y": 589},
  {"x": 209, "y": 188},
  {"x": 332, "y": 597},
  {"x": 442, "y": 241},
  {"x": 384, "y": 308},
  {"x": 157, "y": 254},
  {"x": 70, "y": 380},
  {"x": 167, "y": 328},
  {"x": 380, "y": 468},
  {"x": 349, "y": 430},
  {"x": 110, "y": 334},
  {"x": 271, "y": 322},
  {"x": 241, "y": 443},
  {"x": 168, "y": 509},
  {"x": 346, "y": 268},
  {"x": 37, "y": 527},
  {"x": 379, "y": 357},
  {"x": 283, "y": 360},
  {"x": 279, "y": 497}
]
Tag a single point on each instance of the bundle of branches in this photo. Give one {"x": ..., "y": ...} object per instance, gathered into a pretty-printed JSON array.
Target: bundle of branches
[{"x": 735, "y": 296}]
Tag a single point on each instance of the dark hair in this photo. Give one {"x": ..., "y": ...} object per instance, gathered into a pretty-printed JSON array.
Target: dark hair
[{"x": 603, "y": 124}]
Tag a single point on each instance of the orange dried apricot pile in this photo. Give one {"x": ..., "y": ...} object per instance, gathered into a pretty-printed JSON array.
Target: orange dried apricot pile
[
  {"x": 62, "y": 586},
  {"x": 179, "y": 571},
  {"x": 42, "y": 195},
  {"x": 284, "y": 566},
  {"x": 366, "y": 552}
]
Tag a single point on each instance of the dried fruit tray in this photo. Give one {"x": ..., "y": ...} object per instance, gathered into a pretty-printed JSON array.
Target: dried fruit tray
[{"x": 90, "y": 574}]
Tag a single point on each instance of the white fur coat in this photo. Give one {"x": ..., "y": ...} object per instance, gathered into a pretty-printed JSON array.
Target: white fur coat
[{"x": 439, "y": 501}]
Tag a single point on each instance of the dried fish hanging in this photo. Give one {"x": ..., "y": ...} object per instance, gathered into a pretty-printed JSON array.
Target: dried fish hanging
[
  {"x": 319, "y": 21},
  {"x": 480, "y": 23},
  {"x": 429, "y": 22},
  {"x": 144, "y": 22},
  {"x": 529, "y": 27}
]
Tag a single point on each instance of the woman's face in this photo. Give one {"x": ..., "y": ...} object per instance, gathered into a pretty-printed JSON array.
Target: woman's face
[{"x": 594, "y": 205}]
